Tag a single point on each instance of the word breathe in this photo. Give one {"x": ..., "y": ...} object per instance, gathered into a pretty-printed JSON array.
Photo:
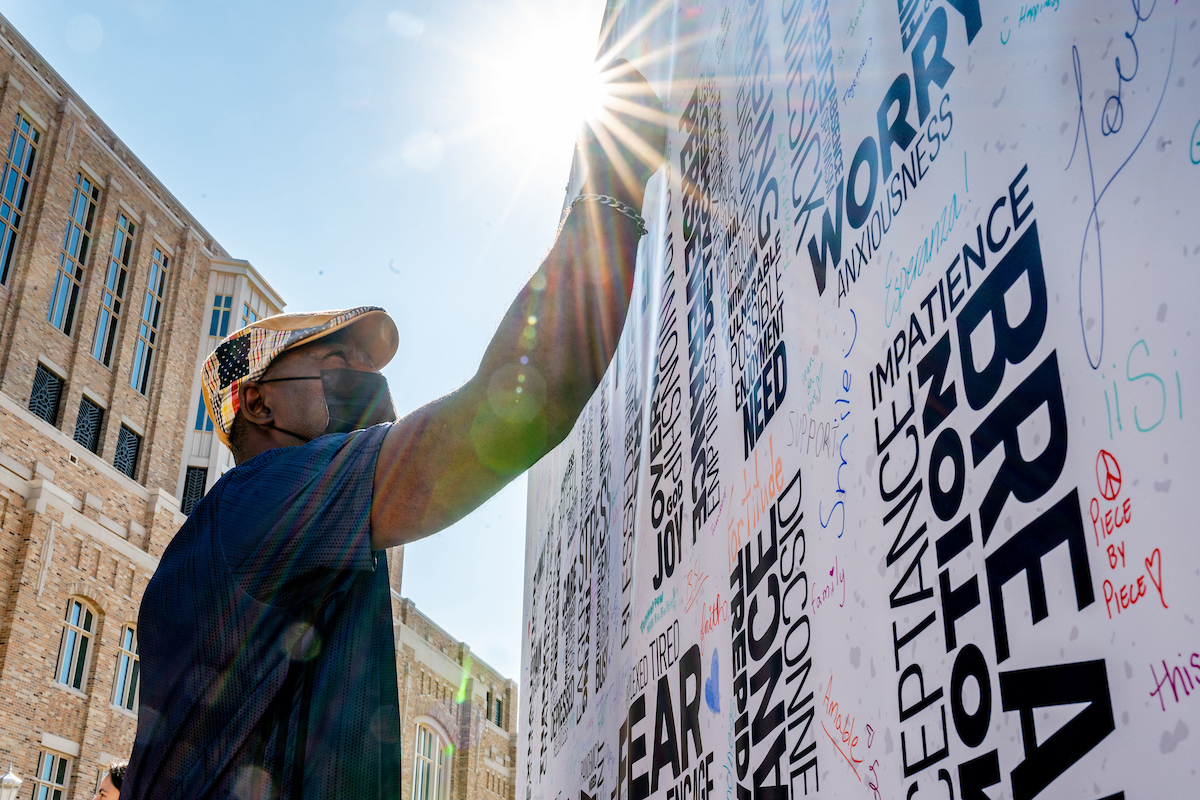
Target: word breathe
[{"x": 951, "y": 369}]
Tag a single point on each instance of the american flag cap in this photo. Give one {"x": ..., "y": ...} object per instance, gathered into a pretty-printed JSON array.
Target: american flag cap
[{"x": 245, "y": 354}]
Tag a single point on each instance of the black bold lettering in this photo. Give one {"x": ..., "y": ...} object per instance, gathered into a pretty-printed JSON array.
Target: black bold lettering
[
  {"x": 971, "y": 728},
  {"x": 771, "y": 762},
  {"x": 957, "y": 601},
  {"x": 868, "y": 154},
  {"x": 947, "y": 446},
  {"x": 1060, "y": 523},
  {"x": 831, "y": 243},
  {"x": 898, "y": 132},
  {"x": 767, "y": 720},
  {"x": 1029, "y": 689},
  {"x": 666, "y": 750},
  {"x": 937, "y": 69},
  {"x": 759, "y": 645},
  {"x": 977, "y": 774},
  {"x": 689, "y": 711},
  {"x": 766, "y": 560},
  {"x": 1025, "y": 480},
  {"x": 932, "y": 367},
  {"x": 639, "y": 787},
  {"x": 1012, "y": 345},
  {"x": 971, "y": 16}
]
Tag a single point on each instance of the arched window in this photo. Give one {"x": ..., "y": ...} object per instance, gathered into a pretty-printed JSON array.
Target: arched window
[
  {"x": 78, "y": 628},
  {"x": 431, "y": 777},
  {"x": 125, "y": 685}
]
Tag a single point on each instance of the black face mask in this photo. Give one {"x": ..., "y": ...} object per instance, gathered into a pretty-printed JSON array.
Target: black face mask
[{"x": 356, "y": 399}]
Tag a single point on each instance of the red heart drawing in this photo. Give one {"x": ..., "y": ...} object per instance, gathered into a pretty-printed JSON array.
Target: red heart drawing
[{"x": 1154, "y": 560}]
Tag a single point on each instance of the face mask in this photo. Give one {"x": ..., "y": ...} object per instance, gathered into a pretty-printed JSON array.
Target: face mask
[{"x": 355, "y": 399}]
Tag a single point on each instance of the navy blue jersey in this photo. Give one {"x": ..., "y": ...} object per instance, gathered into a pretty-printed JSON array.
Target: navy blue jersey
[{"x": 267, "y": 654}]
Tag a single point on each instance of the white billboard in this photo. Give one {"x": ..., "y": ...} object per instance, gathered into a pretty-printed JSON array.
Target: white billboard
[{"x": 887, "y": 492}]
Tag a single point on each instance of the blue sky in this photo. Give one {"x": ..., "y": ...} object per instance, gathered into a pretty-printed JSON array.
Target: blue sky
[{"x": 408, "y": 154}]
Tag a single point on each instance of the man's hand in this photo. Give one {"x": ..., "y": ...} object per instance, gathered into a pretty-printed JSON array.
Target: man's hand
[
  {"x": 623, "y": 144},
  {"x": 550, "y": 351}
]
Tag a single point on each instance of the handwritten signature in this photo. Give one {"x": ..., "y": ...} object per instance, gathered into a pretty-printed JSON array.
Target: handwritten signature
[
  {"x": 824, "y": 520},
  {"x": 1111, "y": 121}
]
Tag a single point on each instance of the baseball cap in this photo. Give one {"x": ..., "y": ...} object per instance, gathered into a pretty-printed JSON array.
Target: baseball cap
[{"x": 245, "y": 354}]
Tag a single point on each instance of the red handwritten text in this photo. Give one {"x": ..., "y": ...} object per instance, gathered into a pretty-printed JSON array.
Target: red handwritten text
[
  {"x": 846, "y": 739},
  {"x": 714, "y": 615}
]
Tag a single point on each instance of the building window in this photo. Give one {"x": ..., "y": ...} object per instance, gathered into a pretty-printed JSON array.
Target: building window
[
  {"x": 499, "y": 718},
  {"x": 14, "y": 188},
  {"x": 125, "y": 687},
  {"x": 431, "y": 776},
  {"x": 113, "y": 294},
  {"x": 73, "y": 257},
  {"x": 78, "y": 627},
  {"x": 87, "y": 425},
  {"x": 50, "y": 782},
  {"x": 193, "y": 488},
  {"x": 248, "y": 315},
  {"x": 222, "y": 303},
  {"x": 46, "y": 394},
  {"x": 156, "y": 289},
  {"x": 203, "y": 420},
  {"x": 129, "y": 446}
]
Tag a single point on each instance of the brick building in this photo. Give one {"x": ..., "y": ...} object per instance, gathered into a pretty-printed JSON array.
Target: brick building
[
  {"x": 111, "y": 296},
  {"x": 458, "y": 715}
]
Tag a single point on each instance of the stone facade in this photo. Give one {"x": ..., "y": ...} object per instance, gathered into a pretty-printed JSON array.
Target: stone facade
[
  {"x": 470, "y": 708},
  {"x": 237, "y": 295},
  {"x": 93, "y": 376}
]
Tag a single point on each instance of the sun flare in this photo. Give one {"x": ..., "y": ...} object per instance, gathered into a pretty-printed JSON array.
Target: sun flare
[{"x": 541, "y": 82}]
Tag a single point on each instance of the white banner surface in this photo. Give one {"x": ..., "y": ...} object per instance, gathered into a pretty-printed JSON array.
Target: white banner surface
[{"x": 883, "y": 494}]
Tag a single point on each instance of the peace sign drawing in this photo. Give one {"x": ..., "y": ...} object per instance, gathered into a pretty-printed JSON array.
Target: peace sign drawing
[{"x": 1108, "y": 475}]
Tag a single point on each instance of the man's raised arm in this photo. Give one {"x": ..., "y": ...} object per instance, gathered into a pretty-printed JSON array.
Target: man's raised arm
[{"x": 549, "y": 352}]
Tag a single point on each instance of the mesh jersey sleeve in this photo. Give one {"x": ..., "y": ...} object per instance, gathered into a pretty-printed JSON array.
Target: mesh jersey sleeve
[{"x": 296, "y": 521}]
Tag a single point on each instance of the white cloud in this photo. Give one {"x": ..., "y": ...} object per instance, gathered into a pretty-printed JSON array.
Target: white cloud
[
  {"x": 423, "y": 150},
  {"x": 84, "y": 33},
  {"x": 405, "y": 25}
]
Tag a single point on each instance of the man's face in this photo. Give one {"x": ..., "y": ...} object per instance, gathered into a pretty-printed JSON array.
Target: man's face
[
  {"x": 107, "y": 791},
  {"x": 299, "y": 406}
]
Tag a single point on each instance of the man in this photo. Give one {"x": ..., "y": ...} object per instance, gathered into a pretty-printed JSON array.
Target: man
[
  {"x": 110, "y": 787},
  {"x": 266, "y": 636}
]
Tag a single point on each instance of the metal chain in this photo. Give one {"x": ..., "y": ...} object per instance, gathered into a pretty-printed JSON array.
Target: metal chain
[{"x": 613, "y": 203}]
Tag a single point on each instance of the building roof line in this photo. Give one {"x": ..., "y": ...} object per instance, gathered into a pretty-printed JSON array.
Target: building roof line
[
  {"x": 241, "y": 266},
  {"x": 475, "y": 658},
  {"x": 41, "y": 71}
]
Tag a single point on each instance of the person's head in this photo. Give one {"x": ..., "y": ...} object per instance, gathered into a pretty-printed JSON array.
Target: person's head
[
  {"x": 110, "y": 787},
  {"x": 287, "y": 379}
]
